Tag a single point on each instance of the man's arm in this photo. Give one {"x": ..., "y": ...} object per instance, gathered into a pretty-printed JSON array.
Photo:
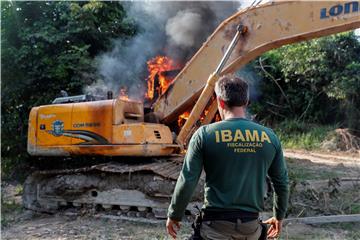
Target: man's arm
[
  {"x": 189, "y": 177},
  {"x": 279, "y": 177}
]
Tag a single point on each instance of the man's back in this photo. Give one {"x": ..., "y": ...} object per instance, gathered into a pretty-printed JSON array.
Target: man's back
[{"x": 237, "y": 156}]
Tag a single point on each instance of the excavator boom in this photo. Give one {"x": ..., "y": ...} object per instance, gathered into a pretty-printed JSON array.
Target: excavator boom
[{"x": 269, "y": 26}]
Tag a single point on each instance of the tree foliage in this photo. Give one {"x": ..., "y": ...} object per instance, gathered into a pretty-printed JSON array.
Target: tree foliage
[
  {"x": 48, "y": 47},
  {"x": 315, "y": 81}
]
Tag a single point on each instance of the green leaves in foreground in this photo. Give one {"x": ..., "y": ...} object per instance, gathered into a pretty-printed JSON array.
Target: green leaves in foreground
[
  {"x": 314, "y": 81},
  {"x": 47, "y": 47}
]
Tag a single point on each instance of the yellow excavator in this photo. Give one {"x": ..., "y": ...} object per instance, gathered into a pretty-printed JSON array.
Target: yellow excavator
[{"x": 143, "y": 145}]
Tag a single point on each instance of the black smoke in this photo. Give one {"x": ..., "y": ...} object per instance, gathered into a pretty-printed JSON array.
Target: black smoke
[{"x": 174, "y": 29}]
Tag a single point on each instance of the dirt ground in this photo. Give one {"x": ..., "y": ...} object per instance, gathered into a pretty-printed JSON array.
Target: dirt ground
[
  {"x": 65, "y": 227},
  {"x": 310, "y": 168}
]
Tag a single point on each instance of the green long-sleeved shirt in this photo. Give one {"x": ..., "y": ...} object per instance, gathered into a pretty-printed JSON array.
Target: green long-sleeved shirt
[{"x": 236, "y": 155}]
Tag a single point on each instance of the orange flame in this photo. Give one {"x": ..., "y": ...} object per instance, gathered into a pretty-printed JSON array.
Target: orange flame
[
  {"x": 182, "y": 118},
  {"x": 124, "y": 98},
  {"x": 123, "y": 94},
  {"x": 217, "y": 117},
  {"x": 156, "y": 66},
  {"x": 185, "y": 116}
]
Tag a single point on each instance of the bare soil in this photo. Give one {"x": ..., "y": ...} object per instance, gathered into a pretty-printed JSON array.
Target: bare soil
[
  {"x": 64, "y": 227},
  {"x": 310, "y": 170},
  {"x": 351, "y": 159}
]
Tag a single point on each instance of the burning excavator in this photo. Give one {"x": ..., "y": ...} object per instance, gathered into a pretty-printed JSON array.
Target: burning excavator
[{"x": 146, "y": 143}]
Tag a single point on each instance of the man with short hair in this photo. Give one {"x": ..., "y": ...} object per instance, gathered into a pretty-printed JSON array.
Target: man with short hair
[{"x": 236, "y": 155}]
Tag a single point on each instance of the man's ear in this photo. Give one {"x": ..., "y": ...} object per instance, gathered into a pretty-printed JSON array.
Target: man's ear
[{"x": 221, "y": 103}]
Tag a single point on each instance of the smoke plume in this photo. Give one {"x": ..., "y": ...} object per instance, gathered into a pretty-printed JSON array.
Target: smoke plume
[
  {"x": 182, "y": 28},
  {"x": 174, "y": 29}
]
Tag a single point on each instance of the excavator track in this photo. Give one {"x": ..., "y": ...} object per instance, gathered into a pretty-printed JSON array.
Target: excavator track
[{"x": 127, "y": 190}]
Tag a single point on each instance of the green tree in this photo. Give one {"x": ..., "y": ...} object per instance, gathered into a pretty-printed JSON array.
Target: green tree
[
  {"x": 343, "y": 57},
  {"x": 47, "y": 47},
  {"x": 314, "y": 81}
]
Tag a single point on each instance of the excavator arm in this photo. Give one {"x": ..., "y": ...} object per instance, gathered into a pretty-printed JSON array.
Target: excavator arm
[{"x": 268, "y": 26}]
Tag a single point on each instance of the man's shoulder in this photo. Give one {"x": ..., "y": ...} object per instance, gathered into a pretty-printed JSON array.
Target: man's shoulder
[
  {"x": 268, "y": 130},
  {"x": 199, "y": 133},
  {"x": 262, "y": 127},
  {"x": 212, "y": 126}
]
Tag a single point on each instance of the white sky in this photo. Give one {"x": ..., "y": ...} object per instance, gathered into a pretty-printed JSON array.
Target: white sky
[{"x": 357, "y": 32}]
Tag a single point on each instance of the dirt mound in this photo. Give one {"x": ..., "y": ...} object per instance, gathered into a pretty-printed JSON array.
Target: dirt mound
[{"x": 341, "y": 139}]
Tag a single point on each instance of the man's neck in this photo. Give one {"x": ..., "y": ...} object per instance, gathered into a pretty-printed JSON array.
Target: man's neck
[{"x": 236, "y": 112}]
